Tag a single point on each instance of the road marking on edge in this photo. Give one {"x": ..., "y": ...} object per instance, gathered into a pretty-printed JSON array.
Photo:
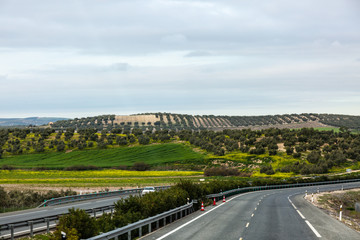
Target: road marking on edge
[
  {"x": 185, "y": 224},
  {"x": 307, "y": 222},
  {"x": 302, "y": 216},
  {"x": 313, "y": 229}
]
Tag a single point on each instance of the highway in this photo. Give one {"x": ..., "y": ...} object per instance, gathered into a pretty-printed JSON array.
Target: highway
[
  {"x": 45, "y": 212},
  {"x": 273, "y": 214}
]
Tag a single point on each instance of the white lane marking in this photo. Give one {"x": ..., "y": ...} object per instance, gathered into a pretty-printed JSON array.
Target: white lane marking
[
  {"x": 293, "y": 206},
  {"x": 302, "y": 216},
  {"x": 313, "y": 229},
  {"x": 255, "y": 209},
  {"x": 252, "y": 215},
  {"x": 24, "y": 214},
  {"x": 247, "y": 225},
  {"x": 185, "y": 224}
]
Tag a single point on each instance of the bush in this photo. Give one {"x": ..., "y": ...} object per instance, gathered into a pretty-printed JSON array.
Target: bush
[
  {"x": 7, "y": 167},
  {"x": 141, "y": 166},
  {"x": 78, "y": 220},
  {"x": 81, "y": 168},
  {"x": 267, "y": 170},
  {"x": 221, "y": 171}
]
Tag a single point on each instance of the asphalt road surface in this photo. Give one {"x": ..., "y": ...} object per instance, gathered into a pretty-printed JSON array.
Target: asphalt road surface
[
  {"x": 44, "y": 212},
  {"x": 273, "y": 214}
]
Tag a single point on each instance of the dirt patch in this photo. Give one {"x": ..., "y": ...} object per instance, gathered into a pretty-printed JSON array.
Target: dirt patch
[{"x": 329, "y": 202}]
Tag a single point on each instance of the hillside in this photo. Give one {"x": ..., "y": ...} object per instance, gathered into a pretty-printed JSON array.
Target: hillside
[
  {"x": 183, "y": 121},
  {"x": 34, "y": 121},
  {"x": 282, "y": 151}
]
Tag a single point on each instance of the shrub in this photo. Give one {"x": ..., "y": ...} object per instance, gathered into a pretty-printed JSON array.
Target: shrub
[
  {"x": 141, "y": 166},
  {"x": 7, "y": 167},
  {"x": 78, "y": 220},
  {"x": 81, "y": 168},
  {"x": 221, "y": 171},
  {"x": 267, "y": 170}
]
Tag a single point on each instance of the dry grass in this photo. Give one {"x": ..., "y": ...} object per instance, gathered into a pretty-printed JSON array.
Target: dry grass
[{"x": 330, "y": 202}]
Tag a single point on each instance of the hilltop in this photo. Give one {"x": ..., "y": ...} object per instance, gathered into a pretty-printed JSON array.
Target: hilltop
[
  {"x": 172, "y": 121},
  {"x": 33, "y": 121}
]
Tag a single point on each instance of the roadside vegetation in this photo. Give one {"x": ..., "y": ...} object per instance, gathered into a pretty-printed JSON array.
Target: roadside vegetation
[
  {"x": 332, "y": 201},
  {"x": 19, "y": 200}
]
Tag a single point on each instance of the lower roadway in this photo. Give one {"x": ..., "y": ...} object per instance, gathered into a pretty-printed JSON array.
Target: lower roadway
[
  {"x": 45, "y": 212},
  {"x": 273, "y": 214}
]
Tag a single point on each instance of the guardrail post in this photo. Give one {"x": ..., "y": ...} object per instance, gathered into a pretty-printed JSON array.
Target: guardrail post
[
  {"x": 140, "y": 231},
  {"x": 47, "y": 225},
  {"x": 157, "y": 224},
  {"x": 12, "y": 231},
  {"x": 149, "y": 228},
  {"x": 94, "y": 212},
  {"x": 181, "y": 213},
  {"x": 111, "y": 210},
  {"x": 164, "y": 221},
  {"x": 129, "y": 235},
  {"x": 31, "y": 225},
  {"x": 117, "y": 238}
]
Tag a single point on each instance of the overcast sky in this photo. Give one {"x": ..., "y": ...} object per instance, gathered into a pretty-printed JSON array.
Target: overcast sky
[{"x": 229, "y": 57}]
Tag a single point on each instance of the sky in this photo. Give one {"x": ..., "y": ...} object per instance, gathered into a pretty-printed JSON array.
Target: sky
[{"x": 231, "y": 57}]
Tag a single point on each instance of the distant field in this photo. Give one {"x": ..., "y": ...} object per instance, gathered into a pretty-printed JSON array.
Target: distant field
[
  {"x": 335, "y": 129},
  {"x": 151, "y": 154},
  {"x": 93, "y": 178}
]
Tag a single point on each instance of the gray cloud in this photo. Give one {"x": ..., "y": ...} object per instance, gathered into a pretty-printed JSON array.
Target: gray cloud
[
  {"x": 198, "y": 54},
  {"x": 226, "y": 57}
]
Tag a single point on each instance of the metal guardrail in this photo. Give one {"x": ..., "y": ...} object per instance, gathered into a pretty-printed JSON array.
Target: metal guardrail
[
  {"x": 219, "y": 196},
  {"x": 30, "y": 223},
  {"x": 84, "y": 197},
  {"x": 11, "y": 226},
  {"x": 139, "y": 225}
]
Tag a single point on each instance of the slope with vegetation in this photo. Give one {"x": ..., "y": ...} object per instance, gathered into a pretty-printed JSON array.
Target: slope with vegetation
[
  {"x": 150, "y": 121},
  {"x": 268, "y": 151}
]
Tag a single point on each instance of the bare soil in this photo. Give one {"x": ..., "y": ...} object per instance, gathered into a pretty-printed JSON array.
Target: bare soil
[{"x": 353, "y": 223}]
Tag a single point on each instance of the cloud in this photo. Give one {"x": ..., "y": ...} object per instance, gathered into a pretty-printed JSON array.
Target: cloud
[
  {"x": 119, "y": 67},
  {"x": 134, "y": 54},
  {"x": 174, "y": 39},
  {"x": 198, "y": 54}
]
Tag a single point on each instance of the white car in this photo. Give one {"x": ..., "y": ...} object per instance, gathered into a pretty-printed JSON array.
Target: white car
[{"x": 147, "y": 190}]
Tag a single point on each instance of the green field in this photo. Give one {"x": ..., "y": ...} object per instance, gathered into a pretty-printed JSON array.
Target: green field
[
  {"x": 157, "y": 154},
  {"x": 109, "y": 177}
]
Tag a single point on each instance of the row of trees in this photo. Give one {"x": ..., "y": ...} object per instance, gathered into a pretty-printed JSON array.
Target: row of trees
[
  {"x": 16, "y": 199},
  {"x": 188, "y": 122}
]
